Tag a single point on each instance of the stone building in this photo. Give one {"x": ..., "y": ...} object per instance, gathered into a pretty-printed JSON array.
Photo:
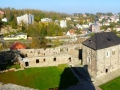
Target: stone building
[
  {"x": 101, "y": 53},
  {"x": 95, "y": 27}
]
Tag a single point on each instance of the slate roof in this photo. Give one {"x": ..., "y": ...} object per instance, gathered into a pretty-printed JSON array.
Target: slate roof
[
  {"x": 82, "y": 86},
  {"x": 102, "y": 40}
]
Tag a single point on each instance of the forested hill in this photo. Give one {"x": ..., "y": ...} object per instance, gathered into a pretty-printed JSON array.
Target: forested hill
[{"x": 12, "y": 13}]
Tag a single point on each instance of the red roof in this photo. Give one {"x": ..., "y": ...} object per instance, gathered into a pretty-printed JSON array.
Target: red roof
[
  {"x": 1, "y": 12},
  {"x": 72, "y": 32},
  {"x": 17, "y": 45}
]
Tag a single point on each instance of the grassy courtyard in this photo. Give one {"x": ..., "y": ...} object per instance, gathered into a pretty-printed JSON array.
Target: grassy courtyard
[
  {"x": 112, "y": 85},
  {"x": 41, "y": 78}
]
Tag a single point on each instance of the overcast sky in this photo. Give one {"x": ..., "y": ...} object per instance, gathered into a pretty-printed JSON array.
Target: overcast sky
[{"x": 66, "y": 6}]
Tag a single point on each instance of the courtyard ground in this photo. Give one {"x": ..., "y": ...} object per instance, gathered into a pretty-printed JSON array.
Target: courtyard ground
[{"x": 41, "y": 78}]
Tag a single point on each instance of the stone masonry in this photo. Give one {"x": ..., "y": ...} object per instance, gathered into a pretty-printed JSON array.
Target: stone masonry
[
  {"x": 101, "y": 61},
  {"x": 51, "y": 56}
]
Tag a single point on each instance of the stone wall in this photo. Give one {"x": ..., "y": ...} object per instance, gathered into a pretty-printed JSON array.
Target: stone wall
[
  {"x": 66, "y": 49},
  {"x": 51, "y": 56},
  {"x": 108, "y": 60},
  {"x": 101, "y": 61},
  {"x": 49, "y": 61},
  {"x": 89, "y": 58}
]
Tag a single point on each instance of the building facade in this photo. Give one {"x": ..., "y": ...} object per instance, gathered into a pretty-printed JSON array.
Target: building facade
[
  {"x": 27, "y": 19},
  {"x": 101, "y": 53},
  {"x": 63, "y": 24}
]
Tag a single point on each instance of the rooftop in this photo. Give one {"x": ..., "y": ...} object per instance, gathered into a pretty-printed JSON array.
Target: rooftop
[{"x": 102, "y": 40}]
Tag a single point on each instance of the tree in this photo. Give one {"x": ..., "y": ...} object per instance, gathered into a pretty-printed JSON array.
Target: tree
[
  {"x": 109, "y": 14},
  {"x": 1, "y": 25},
  {"x": 37, "y": 18},
  {"x": 56, "y": 43},
  {"x": 78, "y": 31}
]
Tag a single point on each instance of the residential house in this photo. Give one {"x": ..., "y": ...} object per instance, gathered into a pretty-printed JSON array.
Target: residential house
[
  {"x": 21, "y": 35},
  {"x": 117, "y": 28},
  {"x": 46, "y": 20},
  {"x": 16, "y": 37},
  {"x": 68, "y": 18},
  {"x": 63, "y": 24},
  {"x": 72, "y": 35},
  {"x": 101, "y": 53},
  {"x": 17, "y": 45},
  {"x": 106, "y": 23},
  {"x": 85, "y": 31},
  {"x": 85, "y": 26},
  {"x": 78, "y": 26},
  {"x": 4, "y": 20},
  {"x": 70, "y": 32},
  {"x": 95, "y": 27}
]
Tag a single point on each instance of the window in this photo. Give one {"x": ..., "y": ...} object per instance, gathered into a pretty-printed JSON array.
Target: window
[
  {"x": 113, "y": 52},
  {"x": 88, "y": 60},
  {"x": 106, "y": 70},
  {"x": 25, "y": 55},
  {"x": 67, "y": 49},
  {"x": 107, "y": 53},
  {"x": 44, "y": 59},
  {"x": 37, "y": 60},
  {"x": 38, "y": 52},
  {"x": 69, "y": 59},
  {"x": 54, "y": 59},
  {"x": 26, "y": 64}
]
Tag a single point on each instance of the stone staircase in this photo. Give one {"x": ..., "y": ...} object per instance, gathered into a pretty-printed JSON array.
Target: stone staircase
[{"x": 106, "y": 78}]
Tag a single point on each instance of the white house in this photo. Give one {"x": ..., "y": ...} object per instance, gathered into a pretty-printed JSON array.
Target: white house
[
  {"x": 63, "y": 24},
  {"x": 21, "y": 35},
  {"x": 16, "y": 37},
  {"x": 68, "y": 18},
  {"x": 70, "y": 32},
  {"x": 79, "y": 26},
  {"x": 4, "y": 20},
  {"x": 106, "y": 23},
  {"x": 85, "y": 26},
  {"x": 72, "y": 35},
  {"x": 46, "y": 20}
]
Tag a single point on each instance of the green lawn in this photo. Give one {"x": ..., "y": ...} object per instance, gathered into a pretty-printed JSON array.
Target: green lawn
[
  {"x": 17, "y": 66},
  {"x": 41, "y": 78},
  {"x": 112, "y": 85}
]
